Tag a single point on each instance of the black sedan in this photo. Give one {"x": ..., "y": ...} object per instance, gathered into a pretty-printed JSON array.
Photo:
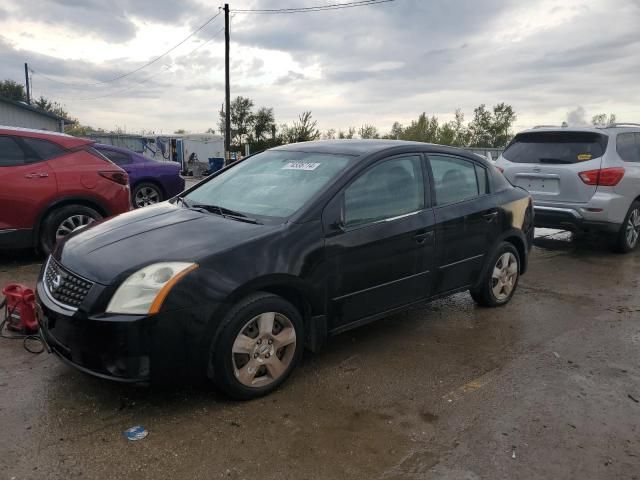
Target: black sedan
[{"x": 235, "y": 277}]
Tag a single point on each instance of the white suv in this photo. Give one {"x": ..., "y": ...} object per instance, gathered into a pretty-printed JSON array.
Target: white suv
[{"x": 582, "y": 179}]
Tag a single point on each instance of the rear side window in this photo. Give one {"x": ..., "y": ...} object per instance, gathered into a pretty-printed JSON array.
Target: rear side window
[
  {"x": 455, "y": 179},
  {"x": 628, "y": 147},
  {"x": 556, "y": 147},
  {"x": 11, "y": 154},
  {"x": 44, "y": 149},
  {"x": 118, "y": 158}
]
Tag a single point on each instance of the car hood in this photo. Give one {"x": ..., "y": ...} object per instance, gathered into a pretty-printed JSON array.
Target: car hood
[{"x": 163, "y": 232}]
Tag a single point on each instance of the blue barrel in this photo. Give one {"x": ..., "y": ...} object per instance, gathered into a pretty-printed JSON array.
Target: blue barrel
[{"x": 215, "y": 164}]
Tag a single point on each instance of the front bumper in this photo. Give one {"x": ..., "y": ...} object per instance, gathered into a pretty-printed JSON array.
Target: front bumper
[{"x": 125, "y": 348}]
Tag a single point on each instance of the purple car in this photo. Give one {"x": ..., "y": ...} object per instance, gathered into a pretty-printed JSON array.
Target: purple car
[{"x": 151, "y": 181}]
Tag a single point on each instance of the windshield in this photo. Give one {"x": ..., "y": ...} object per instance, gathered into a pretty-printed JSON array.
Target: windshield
[
  {"x": 555, "y": 147},
  {"x": 271, "y": 184}
]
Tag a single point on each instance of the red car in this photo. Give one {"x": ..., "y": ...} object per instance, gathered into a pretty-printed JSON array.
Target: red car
[{"x": 52, "y": 184}]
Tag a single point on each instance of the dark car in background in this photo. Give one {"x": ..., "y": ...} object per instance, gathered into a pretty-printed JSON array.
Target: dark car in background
[
  {"x": 232, "y": 279},
  {"x": 151, "y": 181},
  {"x": 52, "y": 184}
]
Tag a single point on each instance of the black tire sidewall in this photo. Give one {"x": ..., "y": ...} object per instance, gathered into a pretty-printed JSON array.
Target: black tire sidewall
[
  {"x": 487, "y": 286},
  {"x": 622, "y": 244},
  {"x": 56, "y": 217},
  {"x": 147, "y": 185},
  {"x": 239, "y": 315}
]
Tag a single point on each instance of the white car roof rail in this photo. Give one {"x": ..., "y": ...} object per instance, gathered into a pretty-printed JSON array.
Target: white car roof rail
[{"x": 622, "y": 124}]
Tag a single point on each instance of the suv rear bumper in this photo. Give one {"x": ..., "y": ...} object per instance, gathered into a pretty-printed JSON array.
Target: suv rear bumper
[{"x": 570, "y": 219}]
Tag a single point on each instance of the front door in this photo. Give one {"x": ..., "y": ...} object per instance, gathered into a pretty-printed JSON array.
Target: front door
[
  {"x": 381, "y": 256},
  {"x": 466, "y": 218}
]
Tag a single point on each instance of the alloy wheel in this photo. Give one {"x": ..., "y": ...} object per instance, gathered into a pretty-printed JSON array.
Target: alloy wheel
[
  {"x": 71, "y": 224},
  {"x": 146, "y": 196},
  {"x": 504, "y": 276},
  {"x": 633, "y": 228},
  {"x": 263, "y": 349}
]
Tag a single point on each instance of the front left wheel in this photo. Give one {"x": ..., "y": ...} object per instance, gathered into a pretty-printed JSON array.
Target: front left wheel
[{"x": 259, "y": 346}]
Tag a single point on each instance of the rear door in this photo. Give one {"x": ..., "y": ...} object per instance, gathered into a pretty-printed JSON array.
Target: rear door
[
  {"x": 547, "y": 164},
  {"x": 28, "y": 182},
  {"x": 466, "y": 220}
]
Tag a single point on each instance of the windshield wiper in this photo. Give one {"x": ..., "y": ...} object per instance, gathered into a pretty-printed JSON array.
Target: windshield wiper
[
  {"x": 553, "y": 160},
  {"x": 225, "y": 212}
]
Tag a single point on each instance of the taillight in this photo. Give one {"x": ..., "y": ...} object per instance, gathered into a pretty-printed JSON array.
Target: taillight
[
  {"x": 119, "y": 177},
  {"x": 500, "y": 169},
  {"x": 605, "y": 177}
]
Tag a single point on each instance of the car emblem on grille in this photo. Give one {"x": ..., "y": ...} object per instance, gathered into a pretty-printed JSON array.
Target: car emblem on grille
[{"x": 56, "y": 282}]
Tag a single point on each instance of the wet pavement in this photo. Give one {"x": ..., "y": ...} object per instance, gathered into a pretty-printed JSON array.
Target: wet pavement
[{"x": 546, "y": 387}]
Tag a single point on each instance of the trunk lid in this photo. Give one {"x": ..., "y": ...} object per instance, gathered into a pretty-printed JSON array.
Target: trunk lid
[{"x": 547, "y": 163}]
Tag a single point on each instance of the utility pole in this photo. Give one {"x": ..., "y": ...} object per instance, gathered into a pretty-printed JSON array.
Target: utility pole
[
  {"x": 26, "y": 78},
  {"x": 227, "y": 110}
]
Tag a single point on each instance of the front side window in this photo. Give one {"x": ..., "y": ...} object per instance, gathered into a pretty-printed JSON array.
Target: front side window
[
  {"x": 390, "y": 189},
  {"x": 628, "y": 147},
  {"x": 270, "y": 184},
  {"x": 454, "y": 179},
  {"x": 11, "y": 154}
]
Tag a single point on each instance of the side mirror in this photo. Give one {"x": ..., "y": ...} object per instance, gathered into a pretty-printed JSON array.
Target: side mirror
[{"x": 333, "y": 216}]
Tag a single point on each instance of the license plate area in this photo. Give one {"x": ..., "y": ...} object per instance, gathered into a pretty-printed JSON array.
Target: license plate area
[{"x": 538, "y": 184}]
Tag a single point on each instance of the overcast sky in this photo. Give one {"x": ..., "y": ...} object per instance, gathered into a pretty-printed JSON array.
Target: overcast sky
[{"x": 374, "y": 64}]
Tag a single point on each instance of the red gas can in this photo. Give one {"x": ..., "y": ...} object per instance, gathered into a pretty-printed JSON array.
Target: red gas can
[{"x": 20, "y": 308}]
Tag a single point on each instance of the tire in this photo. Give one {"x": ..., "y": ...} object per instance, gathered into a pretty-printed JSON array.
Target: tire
[
  {"x": 145, "y": 194},
  {"x": 248, "y": 359},
  {"x": 63, "y": 221},
  {"x": 627, "y": 238},
  {"x": 504, "y": 267}
]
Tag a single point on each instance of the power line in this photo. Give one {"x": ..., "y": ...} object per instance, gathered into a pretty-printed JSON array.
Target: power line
[
  {"x": 319, "y": 8},
  {"x": 124, "y": 75},
  {"x": 150, "y": 77}
]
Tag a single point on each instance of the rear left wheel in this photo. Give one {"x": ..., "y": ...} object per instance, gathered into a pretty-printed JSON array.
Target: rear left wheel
[
  {"x": 63, "y": 221},
  {"x": 146, "y": 194},
  {"x": 501, "y": 278},
  {"x": 627, "y": 238},
  {"x": 259, "y": 347}
]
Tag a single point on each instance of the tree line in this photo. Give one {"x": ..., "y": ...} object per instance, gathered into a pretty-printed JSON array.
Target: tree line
[{"x": 257, "y": 127}]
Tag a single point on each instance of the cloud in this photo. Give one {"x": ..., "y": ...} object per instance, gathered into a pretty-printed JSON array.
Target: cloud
[
  {"x": 291, "y": 76},
  {"x": 374, "y": 64},
  {"x": 109, "y": 20}
]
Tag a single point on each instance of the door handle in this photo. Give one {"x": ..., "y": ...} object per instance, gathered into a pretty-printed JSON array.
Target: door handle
[
  {"x": 36, "y": 175},
  {"x": 422, "y": 235},
  {"x": 491, "y": 216}
]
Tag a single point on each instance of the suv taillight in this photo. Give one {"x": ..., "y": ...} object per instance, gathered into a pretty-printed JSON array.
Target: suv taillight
[
  {"x": 119, "y": 177},
  {"x": 605, "y": 177}
]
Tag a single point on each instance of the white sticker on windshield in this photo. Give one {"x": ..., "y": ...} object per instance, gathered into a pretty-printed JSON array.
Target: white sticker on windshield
[{"x": 301, "y": 166}]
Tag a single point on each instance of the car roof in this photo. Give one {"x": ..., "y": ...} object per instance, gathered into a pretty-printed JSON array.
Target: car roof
[
  {"x": 357, "y": 147},
  {"x": 62, "y": 139},
  {"x": 607, "y": 130}
]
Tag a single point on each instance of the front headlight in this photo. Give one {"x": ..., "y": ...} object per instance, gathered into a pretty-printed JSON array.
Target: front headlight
[{"x": 144, "y": 291}]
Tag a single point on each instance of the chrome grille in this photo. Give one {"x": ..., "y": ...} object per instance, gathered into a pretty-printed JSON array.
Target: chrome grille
[{"x": 67, "y": 288}]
